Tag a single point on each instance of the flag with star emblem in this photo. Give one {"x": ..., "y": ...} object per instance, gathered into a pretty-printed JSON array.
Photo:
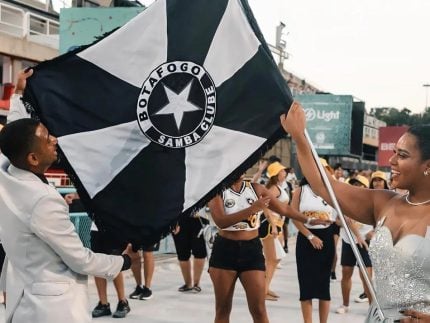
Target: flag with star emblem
[{"x": 157, "y": 117}]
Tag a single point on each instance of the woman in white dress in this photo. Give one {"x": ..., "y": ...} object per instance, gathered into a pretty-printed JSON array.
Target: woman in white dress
[{"x": 400, "y": 250}]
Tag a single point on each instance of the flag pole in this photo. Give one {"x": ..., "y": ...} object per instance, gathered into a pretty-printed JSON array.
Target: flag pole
[{"x": 345, "y": 226}]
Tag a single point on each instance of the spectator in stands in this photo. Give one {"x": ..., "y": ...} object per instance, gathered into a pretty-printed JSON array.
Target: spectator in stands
[
  {"x": 338, "y": 172},
  {"x": 292, "y": 178},
  {"x": 378, "y": 181}
]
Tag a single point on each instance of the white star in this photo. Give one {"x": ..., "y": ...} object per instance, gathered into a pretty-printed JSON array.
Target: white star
[{"x": 178, "y": 104}]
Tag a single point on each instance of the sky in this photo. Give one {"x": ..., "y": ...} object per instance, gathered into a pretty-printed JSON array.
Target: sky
[{"x": 376, "y": 50}]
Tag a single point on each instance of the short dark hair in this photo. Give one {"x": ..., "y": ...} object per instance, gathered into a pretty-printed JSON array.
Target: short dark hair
[
  {"x": 273, "y": 159},
  {"x": 17, "y": 140},
  {"x": 422, "y": 133},
  {"x": 337, "y": 166}
]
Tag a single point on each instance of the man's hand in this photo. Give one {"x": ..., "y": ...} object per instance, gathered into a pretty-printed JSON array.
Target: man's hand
[
  {"x": 22, "y": 80},
  {"x": 70, "y": 197}
]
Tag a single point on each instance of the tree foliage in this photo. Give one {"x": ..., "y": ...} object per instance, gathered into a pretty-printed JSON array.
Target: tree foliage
[{"x": 404, "y": 117}]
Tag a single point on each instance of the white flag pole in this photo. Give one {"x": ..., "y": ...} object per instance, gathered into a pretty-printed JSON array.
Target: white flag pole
[{"x": 345, "y": 226}]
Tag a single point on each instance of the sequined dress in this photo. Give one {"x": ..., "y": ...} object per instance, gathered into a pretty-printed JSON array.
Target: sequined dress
[{"x": 401, "y": 271}]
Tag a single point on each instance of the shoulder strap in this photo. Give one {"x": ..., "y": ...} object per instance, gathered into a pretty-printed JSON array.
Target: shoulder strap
[{"x": 252, "y": 187}]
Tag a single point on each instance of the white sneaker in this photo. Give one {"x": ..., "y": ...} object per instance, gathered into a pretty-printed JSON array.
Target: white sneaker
[{"x": 342, "y": 309}]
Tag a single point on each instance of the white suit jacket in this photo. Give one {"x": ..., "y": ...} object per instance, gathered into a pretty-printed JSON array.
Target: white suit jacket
[{"x": 48, "y": 265}]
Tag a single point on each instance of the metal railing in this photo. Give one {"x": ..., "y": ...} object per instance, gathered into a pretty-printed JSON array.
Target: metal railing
[
  {"x": 42, "y": 30},
  {"x": 16, "y": 22}
]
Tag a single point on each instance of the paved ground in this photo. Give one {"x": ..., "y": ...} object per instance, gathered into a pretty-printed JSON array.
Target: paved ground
[{"x": 168, "y": 305}]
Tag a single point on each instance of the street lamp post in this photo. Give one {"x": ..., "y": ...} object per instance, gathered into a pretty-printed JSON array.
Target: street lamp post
[{"x": 427, "y": 94}]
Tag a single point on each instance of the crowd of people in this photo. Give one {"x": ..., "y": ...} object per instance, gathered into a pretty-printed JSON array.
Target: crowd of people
[{"x": 390, "y": 229}]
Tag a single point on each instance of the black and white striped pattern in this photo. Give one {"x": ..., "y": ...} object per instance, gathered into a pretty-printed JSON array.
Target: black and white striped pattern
[{"x": 88, "y": 99}]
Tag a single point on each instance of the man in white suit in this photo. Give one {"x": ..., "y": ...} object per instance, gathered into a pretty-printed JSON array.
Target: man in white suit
[{"x": 48, "y": 265}]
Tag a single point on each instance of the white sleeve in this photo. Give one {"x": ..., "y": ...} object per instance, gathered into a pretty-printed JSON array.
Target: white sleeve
[
  {"x": 50, "y": 222},
  {"x": 17, "y": 109}
]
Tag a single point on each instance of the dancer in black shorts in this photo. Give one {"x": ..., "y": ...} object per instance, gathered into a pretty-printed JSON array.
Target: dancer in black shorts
[{"x": 237, "y": 251}]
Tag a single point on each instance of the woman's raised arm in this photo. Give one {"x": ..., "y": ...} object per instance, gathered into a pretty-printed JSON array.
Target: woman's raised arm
[{"x": 358, "y": 203}]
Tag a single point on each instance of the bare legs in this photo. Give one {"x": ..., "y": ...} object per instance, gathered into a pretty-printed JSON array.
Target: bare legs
[
  {"x": 186, "y": 272},
  {"x": 198, "y": 265},
  {"x": 323, "y": 307},
  {"x": 192, "y": 272},
  {"x": 223, "y": 282},
  {"x": 366, "y": 289},
  {"x": 148, "y": 269},
  {"x": 101, "y": 285},
  {"x": 270, "y": 260},
  {"x": 336, "y": 239},
  {"x": 346, "y": 283},
  {"x": 306, "y": 310},
  {"x": 253, "y": 282}
]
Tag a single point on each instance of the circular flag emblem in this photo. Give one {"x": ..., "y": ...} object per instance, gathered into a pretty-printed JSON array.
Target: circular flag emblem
[{"x": 177, "y": 104}]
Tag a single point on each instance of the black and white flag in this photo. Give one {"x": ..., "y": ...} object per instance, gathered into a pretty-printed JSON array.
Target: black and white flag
[{"x": 153, "y": 119}]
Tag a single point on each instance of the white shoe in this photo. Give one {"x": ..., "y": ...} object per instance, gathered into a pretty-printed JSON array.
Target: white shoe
[{"x": 342, "y": 309}]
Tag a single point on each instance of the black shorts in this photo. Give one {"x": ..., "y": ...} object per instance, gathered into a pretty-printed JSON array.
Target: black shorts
[
  {"x": 104, "y": 243},
  {"x": 348, "y": 258},
  {"x": 335, "y": 228},
  {"x": 150, "y": 248},
  {"x": 237, "y": 255},
  {"x": 187, "y": 242}
]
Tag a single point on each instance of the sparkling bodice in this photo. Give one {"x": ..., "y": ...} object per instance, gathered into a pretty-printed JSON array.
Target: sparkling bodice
[{"x": 401, "y": 271}]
